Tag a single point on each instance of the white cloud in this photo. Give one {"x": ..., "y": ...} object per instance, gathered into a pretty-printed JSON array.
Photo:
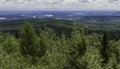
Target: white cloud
[{"x": 61, "y": 4}]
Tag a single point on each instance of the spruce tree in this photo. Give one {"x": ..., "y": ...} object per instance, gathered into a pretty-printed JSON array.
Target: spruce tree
[
  {"x": 78, "y": 45},
  {"x": 90, "y": 60},
  {"x": 28, "y": 41},
  {"x": 104, "y": 51}
]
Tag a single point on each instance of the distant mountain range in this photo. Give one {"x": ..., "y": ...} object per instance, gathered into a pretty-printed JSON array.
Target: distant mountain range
[
  {"x": 79, "y": 16},
  {"x": 30, "y": 14}
]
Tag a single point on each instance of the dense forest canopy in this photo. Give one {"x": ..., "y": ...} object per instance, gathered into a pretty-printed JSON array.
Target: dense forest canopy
[{"x": 45, "y": 49}]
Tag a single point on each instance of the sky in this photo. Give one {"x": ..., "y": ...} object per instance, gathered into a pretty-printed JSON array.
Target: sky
[{"x": 60, "y": 4}]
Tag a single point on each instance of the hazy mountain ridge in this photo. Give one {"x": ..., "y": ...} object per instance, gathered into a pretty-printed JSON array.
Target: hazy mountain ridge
[{"x": 55, "y": 14}]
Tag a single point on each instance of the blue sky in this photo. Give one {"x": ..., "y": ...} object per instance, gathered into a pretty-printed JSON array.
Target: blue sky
[{"x": 60, "y": 4}]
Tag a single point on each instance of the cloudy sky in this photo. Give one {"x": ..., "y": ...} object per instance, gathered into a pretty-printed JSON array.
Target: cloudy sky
[{"x": 60, "y": 4}]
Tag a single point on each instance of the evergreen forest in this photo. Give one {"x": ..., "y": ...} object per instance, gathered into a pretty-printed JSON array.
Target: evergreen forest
[{"x": 45, "y": 49}]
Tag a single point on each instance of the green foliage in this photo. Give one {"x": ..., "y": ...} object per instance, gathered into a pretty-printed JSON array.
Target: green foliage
[
  {"x": 28, "y": 43},
  {"x": 28, "y": 39},
  {"x": 47, "y": 50},
  {"x": 91, "y": 59},
  {"x": 105, "y": 48},
  {"x": 10, "y": 44}
]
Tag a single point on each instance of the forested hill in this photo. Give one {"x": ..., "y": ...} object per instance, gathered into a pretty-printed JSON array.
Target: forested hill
[
  {"x": 14, "y": 25},
  {"x": 11, "y": 25}
]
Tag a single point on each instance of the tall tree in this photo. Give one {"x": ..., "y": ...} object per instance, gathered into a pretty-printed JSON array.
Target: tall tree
[
  {"x": 104, "y": 50},
  {"x": 28, "y": 40}
]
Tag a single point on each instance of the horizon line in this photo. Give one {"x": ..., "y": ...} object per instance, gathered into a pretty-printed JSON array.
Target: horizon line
[{"x": 49, "y": 10}]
